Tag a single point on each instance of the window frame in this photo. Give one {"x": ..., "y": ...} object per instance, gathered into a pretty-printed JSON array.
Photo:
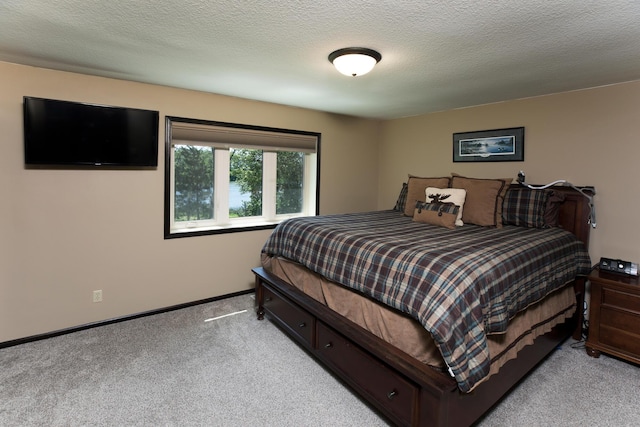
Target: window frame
[{"x": 170, "y": 120}]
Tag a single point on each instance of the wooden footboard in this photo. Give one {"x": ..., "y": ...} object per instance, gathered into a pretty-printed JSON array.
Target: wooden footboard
[{"x": 404, "y": 390}]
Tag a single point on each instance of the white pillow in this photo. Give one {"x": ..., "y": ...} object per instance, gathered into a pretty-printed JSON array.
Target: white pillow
[{"x": 456, "y": 196}]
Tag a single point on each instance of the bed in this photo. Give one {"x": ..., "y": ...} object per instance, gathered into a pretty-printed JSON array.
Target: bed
[{"x": 432, "y": 325}]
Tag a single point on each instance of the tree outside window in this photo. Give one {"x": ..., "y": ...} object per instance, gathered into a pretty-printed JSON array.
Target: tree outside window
[
  {"x": 290, "y": 171},
  {"x": 193, "y": 182},
  {"x": 245, "y": 169},
  {"x": 194, "y": 173}
]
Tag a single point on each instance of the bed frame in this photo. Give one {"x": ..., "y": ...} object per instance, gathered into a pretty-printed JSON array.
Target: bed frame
[{"x": 403, "y": 389}]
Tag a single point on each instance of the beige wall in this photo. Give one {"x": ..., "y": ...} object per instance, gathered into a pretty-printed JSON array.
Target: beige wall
[
  {"x": 588, "y": 137},
  {"x": 64, "y": 233}
]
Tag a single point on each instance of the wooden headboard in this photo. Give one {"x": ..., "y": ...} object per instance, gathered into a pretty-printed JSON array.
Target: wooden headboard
[{"x": 574, "y": 213}]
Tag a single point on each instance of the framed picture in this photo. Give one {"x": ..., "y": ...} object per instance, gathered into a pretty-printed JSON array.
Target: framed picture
[{"x": 497, "y": 145}]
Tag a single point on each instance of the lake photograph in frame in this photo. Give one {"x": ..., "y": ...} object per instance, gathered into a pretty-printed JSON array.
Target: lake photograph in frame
[
  {"x": 485, "y": 147},
  {"x": 489, "y": 145}
]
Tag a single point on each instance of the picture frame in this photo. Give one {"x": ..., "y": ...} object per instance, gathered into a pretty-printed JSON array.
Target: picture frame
[{"x": 496, "y": 145}]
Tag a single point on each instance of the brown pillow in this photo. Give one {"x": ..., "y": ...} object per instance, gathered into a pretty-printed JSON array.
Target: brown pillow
[
  {"x": 415, "y": 190},
  {"x": 483, "y": 204},
  {"x": 442, "y": 214}
]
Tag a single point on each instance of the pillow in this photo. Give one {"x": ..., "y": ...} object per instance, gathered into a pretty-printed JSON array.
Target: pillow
[
  {"x": 525, "y": 207},
  {"x": 442, "y": 214},
  {"x": 453, "y": 195},
  {"x": 483, "y": 204},
  {"x": 402, "y": 198},
  {"x": 415, "y": 190}
]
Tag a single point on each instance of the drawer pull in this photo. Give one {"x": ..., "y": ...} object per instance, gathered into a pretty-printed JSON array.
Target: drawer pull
[
  {"x": 392, "y": 394},
  {"x": 267, "y": 299},
  {"x": 302, "y": 325},
  {"x": 328, "y": 345}
]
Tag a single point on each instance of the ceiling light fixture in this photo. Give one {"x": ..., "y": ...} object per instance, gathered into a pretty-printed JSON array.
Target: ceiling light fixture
[{"x": 354, "y": 61}]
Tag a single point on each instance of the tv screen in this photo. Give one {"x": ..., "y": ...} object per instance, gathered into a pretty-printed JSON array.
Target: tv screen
[{"x": 71, "y": 133}]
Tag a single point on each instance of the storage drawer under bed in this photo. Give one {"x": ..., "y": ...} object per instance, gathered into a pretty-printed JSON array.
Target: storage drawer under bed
[
  {"x": 297, "y": 321},
  {"x": 397, "y": 394}
]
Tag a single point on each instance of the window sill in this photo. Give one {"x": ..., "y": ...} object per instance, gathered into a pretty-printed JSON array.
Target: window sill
[
  {"x": 207, "y": 231},
  {"x": 235, "y": 226}
]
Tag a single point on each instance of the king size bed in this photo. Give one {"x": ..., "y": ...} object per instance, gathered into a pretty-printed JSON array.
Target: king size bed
[{"x": 431, "y": 314}]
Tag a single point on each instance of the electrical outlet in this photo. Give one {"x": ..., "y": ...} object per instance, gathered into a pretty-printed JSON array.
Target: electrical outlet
[{"x": 97, "y": 295}]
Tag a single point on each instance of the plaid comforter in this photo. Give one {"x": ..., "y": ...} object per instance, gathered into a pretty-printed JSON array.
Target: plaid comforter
[{"x": 461, "y": 284}]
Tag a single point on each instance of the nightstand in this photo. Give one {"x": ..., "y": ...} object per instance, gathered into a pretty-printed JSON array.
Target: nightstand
[{"x": 614, "y": 316}]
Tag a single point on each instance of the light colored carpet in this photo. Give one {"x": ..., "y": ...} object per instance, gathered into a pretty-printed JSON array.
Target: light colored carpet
[{"x": 178, "y": 369}]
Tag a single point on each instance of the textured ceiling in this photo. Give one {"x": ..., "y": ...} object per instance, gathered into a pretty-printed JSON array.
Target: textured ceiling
[{"x": 436, "y": 55}]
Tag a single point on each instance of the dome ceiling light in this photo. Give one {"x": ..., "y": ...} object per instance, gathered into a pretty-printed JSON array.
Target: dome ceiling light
[{"x": 354, "y": 61}]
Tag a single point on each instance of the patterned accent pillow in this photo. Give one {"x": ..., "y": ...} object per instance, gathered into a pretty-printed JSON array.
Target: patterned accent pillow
[
  {"x": 402, "y": 198},
  {"x": 526, "y": 207},
  {"x": 456, "y": 196},
  {"x": 442, "y": 214}
]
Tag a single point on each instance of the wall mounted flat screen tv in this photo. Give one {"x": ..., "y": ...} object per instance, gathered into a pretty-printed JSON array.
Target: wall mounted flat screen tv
[{"x": 71, "y": 133}]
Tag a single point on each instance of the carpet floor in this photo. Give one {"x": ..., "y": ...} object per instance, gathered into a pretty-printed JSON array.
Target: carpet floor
[{"x": 215, "y": 364}]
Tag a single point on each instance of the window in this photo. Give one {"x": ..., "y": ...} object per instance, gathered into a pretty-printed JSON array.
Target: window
[{"x": 224, "y": 177}]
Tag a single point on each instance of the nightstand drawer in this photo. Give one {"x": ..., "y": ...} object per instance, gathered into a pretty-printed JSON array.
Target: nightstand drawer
[
  {"x": 623, "y": 300},
  {"x": 619, "y": 339},
  {"x": 614, "y": 316}
]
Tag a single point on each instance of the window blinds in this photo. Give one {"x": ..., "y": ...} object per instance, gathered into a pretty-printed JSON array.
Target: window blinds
[{"x": 221, "y": 136}]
